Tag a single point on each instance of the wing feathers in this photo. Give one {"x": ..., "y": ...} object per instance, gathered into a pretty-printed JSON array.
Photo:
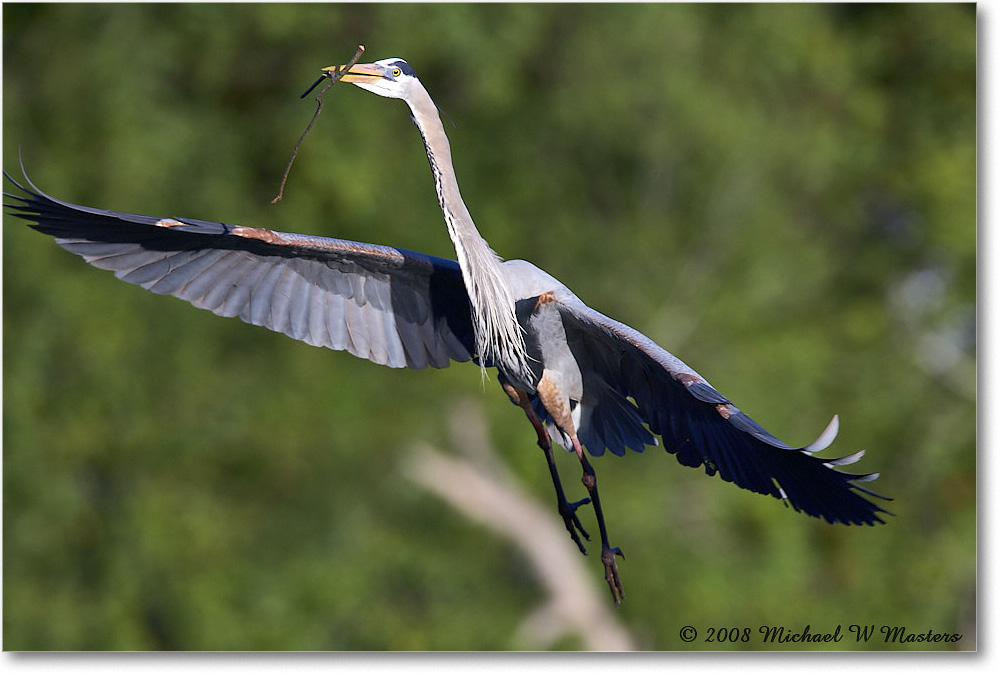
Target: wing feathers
[
  {"x": 701, "y": 427},
  {"x": 393, "y": 307},
  {"x": 401, "y": 308},
  {"x": 826, "y": 438}
]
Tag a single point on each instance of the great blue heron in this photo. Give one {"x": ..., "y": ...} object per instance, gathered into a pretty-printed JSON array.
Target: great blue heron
[{"x": 583, "y": 379}]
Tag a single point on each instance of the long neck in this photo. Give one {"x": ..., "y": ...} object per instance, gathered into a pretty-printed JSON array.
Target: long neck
[{"x": 499, "y": 338}]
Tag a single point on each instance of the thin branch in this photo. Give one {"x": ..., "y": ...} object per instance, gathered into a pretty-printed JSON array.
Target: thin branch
[{"x": 334, "y": 78}]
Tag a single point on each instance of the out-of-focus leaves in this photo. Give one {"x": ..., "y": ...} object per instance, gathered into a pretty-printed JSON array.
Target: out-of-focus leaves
[{"x": 783, "y": 196}]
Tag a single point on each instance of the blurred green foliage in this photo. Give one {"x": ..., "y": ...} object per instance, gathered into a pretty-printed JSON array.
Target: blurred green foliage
[{"x": 782, "y": 195}]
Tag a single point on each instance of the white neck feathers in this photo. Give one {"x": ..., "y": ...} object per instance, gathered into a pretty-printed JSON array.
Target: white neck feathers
[{"x": 499, "y": 338}]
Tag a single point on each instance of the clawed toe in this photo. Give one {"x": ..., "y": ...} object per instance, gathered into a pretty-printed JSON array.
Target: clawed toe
[
  {"x": 568, "y": 512},
  {"x": 611, "y": 573}
]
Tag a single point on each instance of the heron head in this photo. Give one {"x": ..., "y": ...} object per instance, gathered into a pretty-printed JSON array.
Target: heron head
[{"x": 391, "y": 78}]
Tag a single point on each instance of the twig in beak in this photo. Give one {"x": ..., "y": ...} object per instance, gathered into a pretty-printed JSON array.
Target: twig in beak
[{"x": 339, "y": 73}]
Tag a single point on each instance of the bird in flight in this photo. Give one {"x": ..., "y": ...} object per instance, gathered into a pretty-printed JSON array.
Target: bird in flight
[{"x": 585, "y": 381}]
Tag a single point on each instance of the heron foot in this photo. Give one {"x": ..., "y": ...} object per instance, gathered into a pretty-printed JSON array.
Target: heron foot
[
  {"x": 611, "y": 573},
  {"x": 568, "y": 512}
]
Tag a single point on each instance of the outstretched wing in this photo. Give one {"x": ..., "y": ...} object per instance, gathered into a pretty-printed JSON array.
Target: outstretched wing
[
  {"x": 702, "y": 427},
  {"x": 394, "y": 307}
]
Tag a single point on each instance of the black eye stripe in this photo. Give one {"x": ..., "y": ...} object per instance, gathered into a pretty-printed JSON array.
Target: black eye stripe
[{"x": 404, "y": 68}]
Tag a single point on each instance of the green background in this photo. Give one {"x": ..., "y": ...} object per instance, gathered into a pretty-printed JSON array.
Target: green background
[{"x": 783, "y": 196}]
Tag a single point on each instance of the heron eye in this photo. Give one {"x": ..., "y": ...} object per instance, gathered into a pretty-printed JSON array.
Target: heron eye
[{"x": 396, "y": 72}]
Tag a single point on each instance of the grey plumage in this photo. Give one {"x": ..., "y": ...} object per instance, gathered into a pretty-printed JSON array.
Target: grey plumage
[{"x": 583, "y": 379}]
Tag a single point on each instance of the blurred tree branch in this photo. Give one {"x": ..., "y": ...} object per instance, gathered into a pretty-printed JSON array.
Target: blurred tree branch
[{"x": 484, "y": 491}]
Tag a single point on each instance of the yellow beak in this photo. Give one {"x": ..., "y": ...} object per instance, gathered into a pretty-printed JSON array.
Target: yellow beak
[{"x": 361, "y": 72}]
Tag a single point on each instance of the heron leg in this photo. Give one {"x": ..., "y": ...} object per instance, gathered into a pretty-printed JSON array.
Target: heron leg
[
  {"x": 567, "y": 509},
  {"x": 608, "y": 553},
  {"x": 560, "y": 407}
]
